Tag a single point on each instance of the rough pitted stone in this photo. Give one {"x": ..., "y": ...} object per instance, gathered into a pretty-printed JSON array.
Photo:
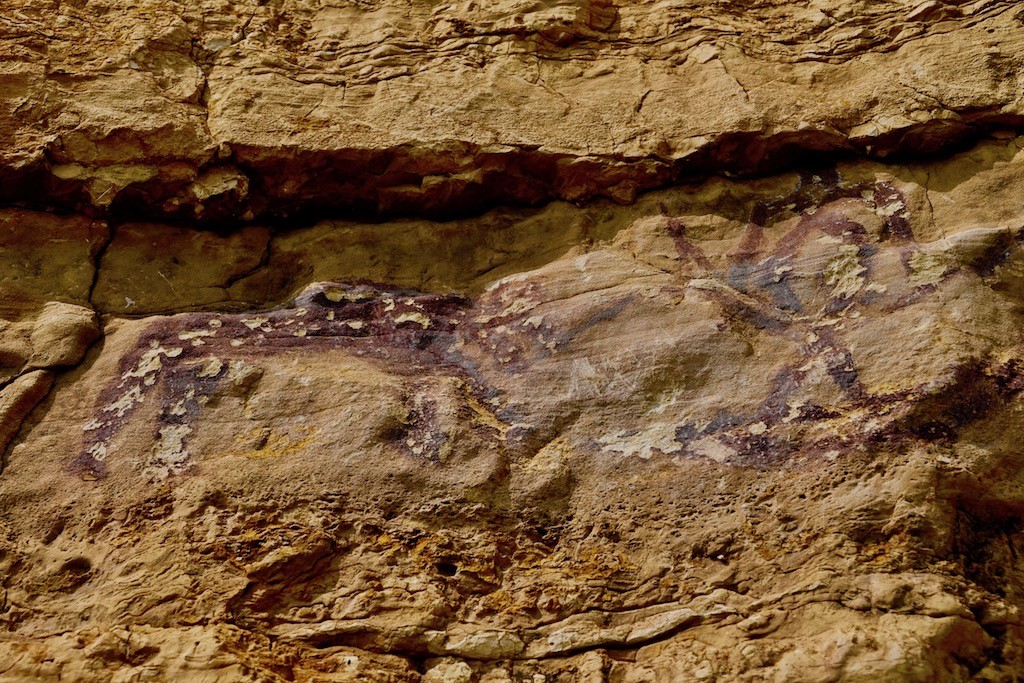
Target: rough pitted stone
[
  {"x": 634, "y": 415},
  {"x": 224, "y": 110}
]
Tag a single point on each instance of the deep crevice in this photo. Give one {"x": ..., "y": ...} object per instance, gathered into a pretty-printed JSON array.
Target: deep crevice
[{"x": 288, "y": 186}]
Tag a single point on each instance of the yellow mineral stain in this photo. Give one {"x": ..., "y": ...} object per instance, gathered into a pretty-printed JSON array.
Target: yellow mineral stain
[{"x": 262, "y": 442}]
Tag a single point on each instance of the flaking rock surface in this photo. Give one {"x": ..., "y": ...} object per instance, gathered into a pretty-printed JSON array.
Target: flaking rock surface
[{"x": 487, "y": 342}]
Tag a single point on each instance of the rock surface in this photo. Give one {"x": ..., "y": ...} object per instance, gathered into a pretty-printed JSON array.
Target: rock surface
[
  {"x": 217, "y": 110},
  {"x": 714, "y": 369}
]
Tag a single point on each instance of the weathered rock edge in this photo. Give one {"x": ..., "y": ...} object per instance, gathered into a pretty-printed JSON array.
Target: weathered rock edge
[
  {"x": 457, "y": 178},
  {"x": 262, "y": 110}
]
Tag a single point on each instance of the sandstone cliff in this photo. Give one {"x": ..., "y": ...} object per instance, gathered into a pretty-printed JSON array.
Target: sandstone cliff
[{"x": 566, "y": 340}]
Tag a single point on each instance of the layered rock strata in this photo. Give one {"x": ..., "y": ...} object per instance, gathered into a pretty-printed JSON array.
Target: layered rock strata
[
  {"x": 563, "y": 341},
  {"x": 227, "y": 111}
]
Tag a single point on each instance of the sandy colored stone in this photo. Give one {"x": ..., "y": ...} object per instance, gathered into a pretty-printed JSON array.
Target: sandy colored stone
[
  {"x": 504, "y": 342},
  {"x": 61, "y": 335},
  {"x": 182, "y": 110},
  {"x": 46, "y": 257},
  {"x": 728, "y": 429},
  {"x": 140, "y": 275},
  {"x": 17, "y": 399}
]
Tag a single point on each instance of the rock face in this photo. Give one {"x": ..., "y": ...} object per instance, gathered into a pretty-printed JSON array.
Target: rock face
[{"x": 575, "y": 340}]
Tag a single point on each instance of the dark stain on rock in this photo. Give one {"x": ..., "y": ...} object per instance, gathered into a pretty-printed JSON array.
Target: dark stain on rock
[
  {"x": 838, "y": 360},
  {"x": 812, "y": 412},
  {"x": 826, "y": 221},
  {"x": 420, "y": 435},
  {"x": 686, "y": 432},
  {"x": 685, "y": 249},
  {"x": 750, "y": 244},
  {"x": 604, "y": 315},
  {"x": 995, "y": 254},
  {"x": 761, "y": 450},
  {"x": 721, "y": 422},
  {"x": 893, "y": 203},
  {"x": 771, "y": 276},
  {"x": 809, "y": 199},
  {"x": 177, "y": 357},
  {"x": 749, "y": 310},
  {"x": 975, "y": 390}
]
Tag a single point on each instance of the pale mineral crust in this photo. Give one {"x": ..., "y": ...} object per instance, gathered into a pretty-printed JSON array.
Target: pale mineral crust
[{"x": 488, "y": 342}]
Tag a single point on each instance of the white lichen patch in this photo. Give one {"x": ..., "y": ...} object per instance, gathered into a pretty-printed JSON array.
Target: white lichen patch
[
  {"x": 169, "y": 452},
  {"x": 150, "y": 363},
  {"x": 413, "y": 316},
  {"x": 211, "y": 367},
  {"x": 898, "y": 207},
  {"x": 659, "y": 437},
  {"x": 430, "y": 443},
  {"x": 179, "y": 408},
  {"x": 240, "y": 372},
  {"x": 781, "y": 271},
  {"x": 845, "y": 272},
  {"x": 893, "y": 205},
  {"x": 927, "y": 269},
  {"x": 794, "y": 406},
  {"x": 515, "y": 300},
  {"x": 253, "y": 323},
  {"x": 126, "y": 402},
  {"x": 339, "y": 294},
  {"x": 186, "y": 335},
  {"x": 712, "y": 448},
  {"x": 98, "y": 451}
]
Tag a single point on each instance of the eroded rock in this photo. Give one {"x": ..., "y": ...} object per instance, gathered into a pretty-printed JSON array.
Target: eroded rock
[
  {"x": 697, "y": 432},
  {"x": 660, "y": 429}
]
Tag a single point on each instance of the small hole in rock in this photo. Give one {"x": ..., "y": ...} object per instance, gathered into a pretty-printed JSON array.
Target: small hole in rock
[
  {"x": 447, "y": 568},
  {"x": 78, "y": 565}
]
